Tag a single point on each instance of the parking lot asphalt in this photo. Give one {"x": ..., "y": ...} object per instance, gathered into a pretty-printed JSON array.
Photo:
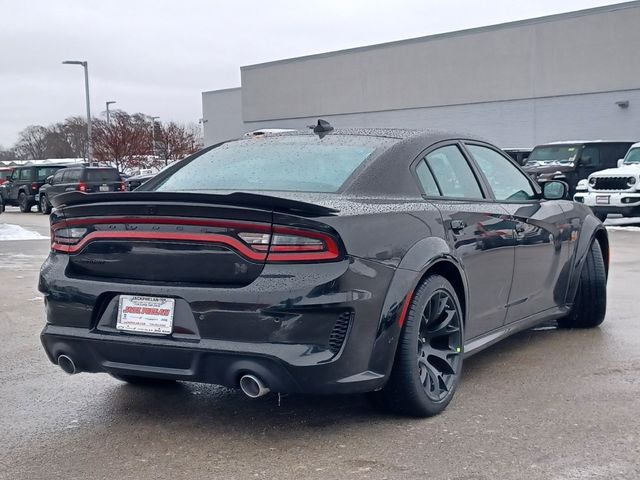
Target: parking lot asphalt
[{"x": 544, "y": 404}]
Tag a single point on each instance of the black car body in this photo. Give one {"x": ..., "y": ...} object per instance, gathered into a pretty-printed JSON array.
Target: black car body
[
  {"x": 81, "y": 179},
  {"x": 573, "y": 161},
  {"x": 135, "y": 181},
  {"x": 313, "y": 291},
  {"x": 22, "y": 187}
]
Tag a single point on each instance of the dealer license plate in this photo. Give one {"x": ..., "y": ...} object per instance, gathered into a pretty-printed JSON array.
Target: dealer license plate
[
  {"x": 145, "y": 314},
  {"x": 602, "y": 199}
]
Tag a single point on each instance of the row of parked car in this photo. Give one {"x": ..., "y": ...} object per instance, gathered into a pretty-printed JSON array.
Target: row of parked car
[{"x": 27, "y": 186}]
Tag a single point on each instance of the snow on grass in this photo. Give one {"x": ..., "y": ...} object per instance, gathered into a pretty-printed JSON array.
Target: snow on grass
[
  {"x": 16, "y": 232},
  {"x": 625, "y": 229}
]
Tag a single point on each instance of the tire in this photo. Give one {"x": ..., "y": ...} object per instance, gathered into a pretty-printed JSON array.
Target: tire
[
  {"x": 45, "y": 206},
  {"x": 590, "y": 305},
  {"x": 143, "y": 381},
  {"x": 418, "y": 385},
  {"x": 23, "y": 202}
]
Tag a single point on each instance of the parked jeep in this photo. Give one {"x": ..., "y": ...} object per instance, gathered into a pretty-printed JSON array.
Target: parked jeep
[
  {"x": 615, "y": 190},
  {"x": 24, "y": 183},
  {"x": 573, "y": 161}
]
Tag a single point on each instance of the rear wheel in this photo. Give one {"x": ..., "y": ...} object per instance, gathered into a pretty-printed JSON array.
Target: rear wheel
[
  {"x": 45, "y": 206},
  {"x": 429, "y": 356},
  {"x": 590, "y": 305},
  {"x": 136, "y": 380},
  {"x": 23, "y": 202}
]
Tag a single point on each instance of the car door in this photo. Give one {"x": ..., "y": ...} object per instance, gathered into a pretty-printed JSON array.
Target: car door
[
  {"x": 480, "y": 232},
  {"x": 539, "y": 254}
]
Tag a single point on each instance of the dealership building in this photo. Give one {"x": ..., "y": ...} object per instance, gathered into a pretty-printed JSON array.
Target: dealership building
[{"x": 568, "y": 76}]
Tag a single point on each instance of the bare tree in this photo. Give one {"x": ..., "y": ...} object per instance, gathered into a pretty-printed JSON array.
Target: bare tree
[
  {"x": 74, "y": 133},
  {"x": 175, "y": 141},
  {"x": 32, "y": 142},
  {"x": 124, "y": 142}
]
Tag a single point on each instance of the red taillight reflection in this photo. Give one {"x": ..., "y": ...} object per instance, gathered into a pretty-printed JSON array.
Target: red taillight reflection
[{"x": 82, "y": 187}]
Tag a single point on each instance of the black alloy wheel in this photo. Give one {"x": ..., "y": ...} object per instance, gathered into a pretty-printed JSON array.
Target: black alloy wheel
[
  {"x": 439, "y": 345},
  {"x": 429, "y": 356}
]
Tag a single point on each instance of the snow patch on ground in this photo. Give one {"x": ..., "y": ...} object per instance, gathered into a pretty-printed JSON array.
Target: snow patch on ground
[
  {"x": 16, "y": 232},
  {"x": 626, "y": 229}
]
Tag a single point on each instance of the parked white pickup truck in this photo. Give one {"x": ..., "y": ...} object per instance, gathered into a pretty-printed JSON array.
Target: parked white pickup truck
[{"x": 615, "y": 190}]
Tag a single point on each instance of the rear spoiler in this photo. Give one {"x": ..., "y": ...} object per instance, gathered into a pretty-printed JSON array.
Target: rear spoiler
[{"x": 240, "y": 199}]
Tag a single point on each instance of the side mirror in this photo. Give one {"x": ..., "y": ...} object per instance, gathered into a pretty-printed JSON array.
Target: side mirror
[
  {"x": 555, "y": 190},
  {"x": 49, "y": 179},
  {"x": 620, "y": 162}
]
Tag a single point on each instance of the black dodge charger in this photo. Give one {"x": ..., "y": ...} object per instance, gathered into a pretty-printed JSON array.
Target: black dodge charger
[{"x": 327, "y": 261}]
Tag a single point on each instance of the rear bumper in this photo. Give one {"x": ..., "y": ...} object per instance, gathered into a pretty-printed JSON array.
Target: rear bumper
[{"x": 282, "y": 328}]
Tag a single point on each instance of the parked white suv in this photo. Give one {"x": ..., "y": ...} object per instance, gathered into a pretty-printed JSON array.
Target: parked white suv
[{"x": 615, "y": 190}]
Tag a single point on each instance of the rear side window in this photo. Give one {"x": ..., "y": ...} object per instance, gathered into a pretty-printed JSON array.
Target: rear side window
[
  {"x": 102, "y": 175},
  {"x": 506, "y": 181},
  {"x": 303, "y": 163},
  {"x": 427, "y": 181},
  {"x": 452, "y": 173},
  {"x": 72, "y": 176}
]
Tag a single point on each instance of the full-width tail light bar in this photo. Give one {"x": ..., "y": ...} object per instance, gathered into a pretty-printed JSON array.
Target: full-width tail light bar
[{"x": 256, "y": 242}]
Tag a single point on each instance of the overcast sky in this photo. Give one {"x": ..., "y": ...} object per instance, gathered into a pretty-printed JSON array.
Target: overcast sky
[{"x": 157, "y": 56}]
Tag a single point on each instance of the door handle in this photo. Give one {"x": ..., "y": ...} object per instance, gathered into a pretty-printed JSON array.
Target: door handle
[{"x": 457, "y": 225}]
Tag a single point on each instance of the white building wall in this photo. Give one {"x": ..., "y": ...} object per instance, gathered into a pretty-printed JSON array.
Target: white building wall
[{"x": 222, "y": 115}]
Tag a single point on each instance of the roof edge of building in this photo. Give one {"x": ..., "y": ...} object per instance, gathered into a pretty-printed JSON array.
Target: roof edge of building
[{"x": 457, "y": 33}]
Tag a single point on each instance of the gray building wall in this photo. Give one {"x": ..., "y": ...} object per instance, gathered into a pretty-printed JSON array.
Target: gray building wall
[
  {"x": 222, "y": 115},
  {"x": 518, "y": 84}
]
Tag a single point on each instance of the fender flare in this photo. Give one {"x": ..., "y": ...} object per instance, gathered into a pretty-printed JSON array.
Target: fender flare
[
  {"x": 424, "y": 256},
  {"x": 592, "y": 231}
]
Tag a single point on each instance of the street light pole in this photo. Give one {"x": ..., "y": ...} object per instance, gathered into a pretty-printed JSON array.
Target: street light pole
[
  {"x": 153, "y": 135},
  {"x": 85, "y": 65},
  {"x": 110, "y": 102}
]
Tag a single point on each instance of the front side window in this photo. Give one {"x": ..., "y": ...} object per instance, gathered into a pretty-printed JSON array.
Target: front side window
[
  {"x": 504, "y": 178},
  {"x": 452, "y": 173},
  {"x": 548, "y": 154},
  {"x": 57, "y": 178},
  {"x": 298, "y": 163},
  {"x": 633, "y": 156},
  {"x": 590, "y": 156}
]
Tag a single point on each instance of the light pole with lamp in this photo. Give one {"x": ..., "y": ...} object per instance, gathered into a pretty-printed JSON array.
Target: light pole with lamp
[
  {"x": 86, "y": 91},
  {"x": 110, "y": 102}
]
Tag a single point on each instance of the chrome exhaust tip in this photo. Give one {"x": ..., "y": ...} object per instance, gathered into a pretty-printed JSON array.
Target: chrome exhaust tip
[
  {"x": 252, "y": 386},
  {"x": 66, "y": 364}
]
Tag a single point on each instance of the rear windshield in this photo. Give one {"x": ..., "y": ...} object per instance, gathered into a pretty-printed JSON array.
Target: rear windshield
[
  {"x": 633, "y": 156},
  {"x": 554, "y": 154},
  {"x": 102, "y": 175},
  {"x": 43, "y": 172},
  {"x": 300, "y": 163}
]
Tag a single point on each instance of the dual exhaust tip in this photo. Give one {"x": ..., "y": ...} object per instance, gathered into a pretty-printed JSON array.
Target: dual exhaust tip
[{"x": 250, "y": 385}]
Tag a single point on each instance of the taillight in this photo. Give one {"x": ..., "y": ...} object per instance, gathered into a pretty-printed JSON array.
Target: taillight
[
  {"x": 255, "y": 241},
  {"x": 35, "y": 186},
  {"x": 293, "y": 245},
  {"x": 123, "y": 186},
  {"x": 82, "y": 187}
]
